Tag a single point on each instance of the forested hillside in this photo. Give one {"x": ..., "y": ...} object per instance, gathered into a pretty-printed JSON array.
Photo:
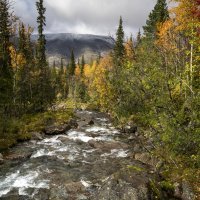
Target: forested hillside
[{"x": 152, "y": 81}]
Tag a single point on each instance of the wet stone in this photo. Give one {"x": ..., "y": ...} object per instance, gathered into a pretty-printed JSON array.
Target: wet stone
[
  {"x": 1, "y": 159},
  {"x": 56, "y": 130}
]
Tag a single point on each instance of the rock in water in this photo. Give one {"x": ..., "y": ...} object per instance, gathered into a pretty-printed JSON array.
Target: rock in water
[
  {"x": 1, "y": 159},
  {"x": 37, "y": 136},
  {"x": 56, "y": 130},
  {"x": 73, "y": 123},
  {"x": 91, "y": 122}
]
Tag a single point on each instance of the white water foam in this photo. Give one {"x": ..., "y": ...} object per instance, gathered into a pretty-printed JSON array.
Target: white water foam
[
  {"x": 74, "y": 135},
  {"x": 102, "y": 119},
  {"x": 43, "y": 152},
  {"x": 51, "y": 141},
  {"x": 119, "y": 153},
  {"x": 96, "y": 129},
  {"x": 86, "y": 184},
  {"x": 21, "y": 182}
]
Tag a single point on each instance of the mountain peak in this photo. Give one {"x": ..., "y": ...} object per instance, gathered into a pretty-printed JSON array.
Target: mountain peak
[{"x": 59, "y": 45}]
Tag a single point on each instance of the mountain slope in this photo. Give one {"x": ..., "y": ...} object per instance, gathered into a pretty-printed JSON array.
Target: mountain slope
[{"x": 60, "y": 45}]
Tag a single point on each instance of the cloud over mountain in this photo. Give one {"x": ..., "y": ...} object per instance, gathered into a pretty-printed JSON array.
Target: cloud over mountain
[{"x": 87, "y": 16}]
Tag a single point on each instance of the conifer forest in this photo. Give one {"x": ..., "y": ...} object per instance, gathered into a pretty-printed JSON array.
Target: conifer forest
[{"x": 124, "y": 125}]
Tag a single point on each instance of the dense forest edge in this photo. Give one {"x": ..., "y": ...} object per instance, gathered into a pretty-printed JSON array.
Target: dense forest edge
[{"x": 152, "y": 81}]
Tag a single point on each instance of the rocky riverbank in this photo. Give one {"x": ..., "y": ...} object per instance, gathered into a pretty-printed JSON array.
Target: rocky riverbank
[{"x": 85, "y": 159}]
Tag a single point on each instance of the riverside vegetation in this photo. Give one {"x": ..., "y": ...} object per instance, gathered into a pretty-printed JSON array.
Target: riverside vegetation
[{"x": 152, "y": 82}]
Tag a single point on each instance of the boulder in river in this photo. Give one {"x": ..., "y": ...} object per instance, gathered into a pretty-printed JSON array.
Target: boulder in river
[
  {"x": 37, "y": 136},
  {"x": 18, "y": 156},
  {"x": 1, "y": 159},
  {"x": 56, "y": 130},
  {"x": 73, "y": 123},
  {"x": 91, "y": 122},
  {"x": 75, "y": 187}
]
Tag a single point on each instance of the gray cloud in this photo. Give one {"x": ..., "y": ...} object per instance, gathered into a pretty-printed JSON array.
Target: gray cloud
[{"x": 87, "y": 16}]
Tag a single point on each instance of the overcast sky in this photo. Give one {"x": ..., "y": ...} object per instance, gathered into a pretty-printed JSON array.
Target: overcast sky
[{"x": 87, "y": 16}]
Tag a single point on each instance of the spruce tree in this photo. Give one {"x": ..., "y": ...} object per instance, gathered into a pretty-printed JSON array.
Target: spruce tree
[
  {"x": 41, "y": 20},
  {"x": 72, "y": 64},
  {"x": 138, "y": 38},
  {"x": 6, "y": 73},
  {"x": 23, "y": 94},
  {"x": 119, "y": 49},
  {"x": 82, "y": 64},
  {"x": 43, "y": 93},
  {"x": 158, "y": 15}
]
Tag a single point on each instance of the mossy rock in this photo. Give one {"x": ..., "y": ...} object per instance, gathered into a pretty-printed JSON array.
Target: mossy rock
[
  {"x": 167, "y": 186},
  {"x": 7, "y": 143},
  {"x": 23, "y": 137}
]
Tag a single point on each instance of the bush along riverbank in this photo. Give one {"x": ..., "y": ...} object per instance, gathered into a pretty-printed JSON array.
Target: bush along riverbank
[{"x": 56, "y": 120}]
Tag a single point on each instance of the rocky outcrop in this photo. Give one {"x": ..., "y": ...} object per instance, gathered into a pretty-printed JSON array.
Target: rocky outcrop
[
  {"x": 127, "y": 184},
  {"x": 184, "y": 191},
  {"x": 148, "y": 159}
]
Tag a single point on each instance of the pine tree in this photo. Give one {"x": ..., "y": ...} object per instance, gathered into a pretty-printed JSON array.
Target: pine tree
[
  {"x": 119, "y": 49},
  {"x": 72, "y": 64},
  {"x": 6, "y": 72},
  {"x": 158, "y": 15}
]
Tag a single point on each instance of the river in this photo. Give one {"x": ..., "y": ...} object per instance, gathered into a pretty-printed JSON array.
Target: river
[{"x": 69, "y": 166}]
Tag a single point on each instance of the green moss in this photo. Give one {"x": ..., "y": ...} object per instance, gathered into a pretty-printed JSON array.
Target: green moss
[
  {"x": 31, "y": 123},
  {"x": 154, "y": 188},
  {"x": 13, "y": 130},
  {"x": 23, "y": 136},
  {"x": 167, "y": 186},
  {"x": 7, "y": 143},
  {"x": 135, "y": 168}
]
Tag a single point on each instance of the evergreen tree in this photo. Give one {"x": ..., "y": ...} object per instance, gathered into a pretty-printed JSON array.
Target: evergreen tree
[
  {"x": 82, "y": 64},
  {"x": 54, "y": 64},
  {"x": 23, "y": 93},
  {"x": 72, "y": 64},
  {"x": 41, "y": 20},
  {"x": 119, "y": 49},
  {"x": 138, "y": 38},
  {"x": 6, "y": 72},
  {"x": 99, "y": 57},
  {"x": 62, "y": 78},
  {"x": 61, "y": 66},
  {"x": 43, "y": 88},
  {"x": 158, "y": 15}
]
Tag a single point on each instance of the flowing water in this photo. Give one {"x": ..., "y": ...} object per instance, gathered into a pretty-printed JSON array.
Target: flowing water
[{"x": 68, "y": 166}]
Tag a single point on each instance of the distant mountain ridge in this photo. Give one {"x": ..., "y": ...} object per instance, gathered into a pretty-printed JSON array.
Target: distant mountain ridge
[{"x": 60, "y": 45}]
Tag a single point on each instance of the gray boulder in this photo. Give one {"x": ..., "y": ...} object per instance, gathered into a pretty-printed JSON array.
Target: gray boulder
[
  {"x": 1, "y": 159},
  {"x": 56, "y": 130}
]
